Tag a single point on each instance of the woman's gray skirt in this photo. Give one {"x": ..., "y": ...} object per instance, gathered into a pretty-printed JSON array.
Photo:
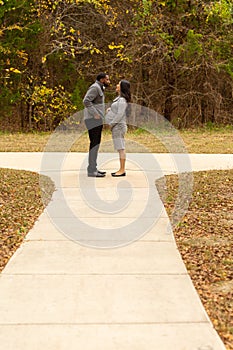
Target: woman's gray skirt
[{"x": 118, "y": 133}]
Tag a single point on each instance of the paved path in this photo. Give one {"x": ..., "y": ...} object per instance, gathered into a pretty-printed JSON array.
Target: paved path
[{"x": 129, "y": 291}]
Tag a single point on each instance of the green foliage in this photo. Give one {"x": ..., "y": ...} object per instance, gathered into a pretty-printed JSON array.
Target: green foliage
[
  {"x": 51, "y": 106},
  {"x": 18, "y": 32},
  {"x": 7, "y": 100},
  {"x": 193, "y": 46},
  {"x": 220, "y": 12},
  {"x": 78, "y": 94},
  {"x": 147, "y": 4}
]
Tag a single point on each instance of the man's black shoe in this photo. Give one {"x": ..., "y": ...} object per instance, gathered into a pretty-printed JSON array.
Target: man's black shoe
[
  {"x": 102, "y": 172},
  {"x": 95, "y": 174}
]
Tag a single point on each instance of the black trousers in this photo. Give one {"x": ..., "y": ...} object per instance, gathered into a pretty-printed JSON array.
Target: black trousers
[{"x": 94, "y": 127}]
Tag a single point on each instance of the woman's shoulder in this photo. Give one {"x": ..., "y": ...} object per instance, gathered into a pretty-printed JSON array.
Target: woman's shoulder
[
  {"x": 116, "y": 99},
  {"x": 121, "y": 99}
]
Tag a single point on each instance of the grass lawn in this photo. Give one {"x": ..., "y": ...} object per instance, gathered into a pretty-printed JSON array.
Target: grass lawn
[{"x": 196, "y": 141}]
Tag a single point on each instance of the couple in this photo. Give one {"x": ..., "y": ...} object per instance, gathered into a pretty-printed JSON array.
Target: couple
[{"x": 115, "y": 117}]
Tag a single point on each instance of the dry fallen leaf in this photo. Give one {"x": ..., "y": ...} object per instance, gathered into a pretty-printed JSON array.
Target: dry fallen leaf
[{"x": 204, "y": 237}]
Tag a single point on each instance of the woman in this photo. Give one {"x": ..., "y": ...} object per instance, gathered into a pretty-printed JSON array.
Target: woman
[{"x": 116, "y": 118}]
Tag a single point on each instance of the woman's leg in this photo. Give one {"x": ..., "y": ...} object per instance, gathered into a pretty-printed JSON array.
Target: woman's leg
[
  {"x": 119, "y": 145},
  {"x": 122, "y": 158}
]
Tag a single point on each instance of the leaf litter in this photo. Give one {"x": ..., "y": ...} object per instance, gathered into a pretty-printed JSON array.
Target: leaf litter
[
  {"x": 204, "y": 237},
  {"x": 20, "y": 205}
]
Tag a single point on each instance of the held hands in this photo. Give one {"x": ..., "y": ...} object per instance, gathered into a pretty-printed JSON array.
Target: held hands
[
  {"x": 97, "y": 116},
  {"x": 107, "y": 119}
]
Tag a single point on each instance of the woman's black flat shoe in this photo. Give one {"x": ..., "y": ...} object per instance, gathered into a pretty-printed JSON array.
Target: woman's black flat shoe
[{"x": 115, "y": 175}]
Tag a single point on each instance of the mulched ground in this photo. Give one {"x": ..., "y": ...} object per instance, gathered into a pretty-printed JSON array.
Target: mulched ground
[
  {"x": 204, "y": 237},
  {"x": 20, "y": 205}
]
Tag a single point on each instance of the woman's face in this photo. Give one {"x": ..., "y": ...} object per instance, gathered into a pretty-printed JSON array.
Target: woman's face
[{"x": 118, "y": 88}]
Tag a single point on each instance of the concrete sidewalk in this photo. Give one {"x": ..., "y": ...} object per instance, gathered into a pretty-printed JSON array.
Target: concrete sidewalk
[{"x": 129, "y": 291}]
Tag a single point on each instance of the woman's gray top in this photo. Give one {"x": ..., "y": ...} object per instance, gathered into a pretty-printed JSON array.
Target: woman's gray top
[{"x": 117, "y": 114}]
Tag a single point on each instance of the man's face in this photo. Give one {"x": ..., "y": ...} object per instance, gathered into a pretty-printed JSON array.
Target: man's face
[{"x": 106, "y": 81}]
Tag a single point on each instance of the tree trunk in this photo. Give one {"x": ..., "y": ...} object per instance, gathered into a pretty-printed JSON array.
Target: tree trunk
[
  {"x": 170, "y": 80},
  {"x": 29, "y": 114}
]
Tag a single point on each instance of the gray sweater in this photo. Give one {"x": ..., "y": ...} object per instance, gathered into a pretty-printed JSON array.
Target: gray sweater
[
  {"x": 94, "y": 101},
  {"x": 117, "y": 113}
]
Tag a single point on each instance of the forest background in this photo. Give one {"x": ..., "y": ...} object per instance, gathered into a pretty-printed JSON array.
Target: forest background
[{"x": 178, "y": 56}]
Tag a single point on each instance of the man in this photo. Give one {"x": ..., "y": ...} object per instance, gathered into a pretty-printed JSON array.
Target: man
[{"x": 93, "y": 118}]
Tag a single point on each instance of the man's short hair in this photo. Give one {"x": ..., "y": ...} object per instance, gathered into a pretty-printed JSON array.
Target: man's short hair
[{"x": 101, "y": 76}]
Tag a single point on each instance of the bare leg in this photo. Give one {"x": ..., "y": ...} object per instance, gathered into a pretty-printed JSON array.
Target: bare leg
[{"x": 122, "y": 158}]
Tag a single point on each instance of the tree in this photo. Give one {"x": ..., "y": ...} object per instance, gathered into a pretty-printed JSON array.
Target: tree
[
  {"x": 177, "y": 54},
  {"x": 18, "y": 40}
]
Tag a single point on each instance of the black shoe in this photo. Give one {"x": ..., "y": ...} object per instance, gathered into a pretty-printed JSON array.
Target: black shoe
[
  {"x": 102, "y": 172},
  {"x": 95, "y": 174},
  {"x": 116, "y": 175}
]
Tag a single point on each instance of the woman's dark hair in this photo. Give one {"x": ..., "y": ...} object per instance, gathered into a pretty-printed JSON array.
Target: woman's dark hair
[{"x": 125, "y": 90}]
